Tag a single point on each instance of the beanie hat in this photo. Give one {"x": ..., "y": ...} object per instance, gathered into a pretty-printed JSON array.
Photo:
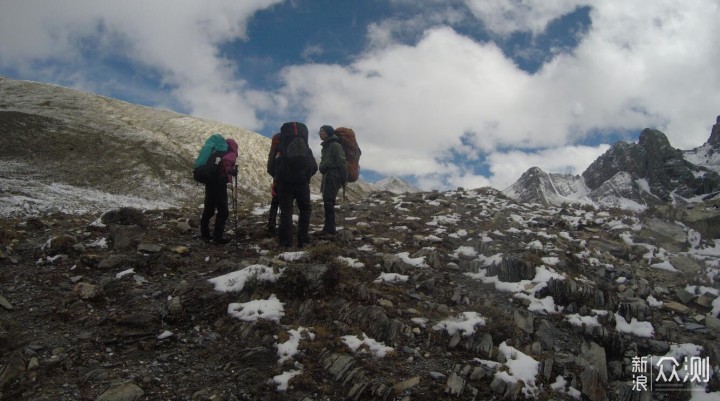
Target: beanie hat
[{"x": 330, "y": 131}]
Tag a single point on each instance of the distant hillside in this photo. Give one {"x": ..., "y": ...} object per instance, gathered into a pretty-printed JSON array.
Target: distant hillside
[{"x": 62, "y": 149}]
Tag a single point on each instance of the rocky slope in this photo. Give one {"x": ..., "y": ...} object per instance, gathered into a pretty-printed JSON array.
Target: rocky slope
[
  {"x": 632, "y": 176},
  {"x": 66, "y": 150},
  {"x": 62, "y": 136},
  {"x": 461, "y": 295}
]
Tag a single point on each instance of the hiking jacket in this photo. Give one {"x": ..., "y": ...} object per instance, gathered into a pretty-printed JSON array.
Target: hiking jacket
[
  {"x": 332, "y": 158},
  {"x": 230, "y": 158}
]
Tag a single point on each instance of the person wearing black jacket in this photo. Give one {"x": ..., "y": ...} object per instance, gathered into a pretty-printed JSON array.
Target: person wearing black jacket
[
  {"x": 292, "y": 182},
  {"x": 333, "y": 167}
]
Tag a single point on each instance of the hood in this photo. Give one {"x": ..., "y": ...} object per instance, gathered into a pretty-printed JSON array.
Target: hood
[{"x": 232, "y": 145}]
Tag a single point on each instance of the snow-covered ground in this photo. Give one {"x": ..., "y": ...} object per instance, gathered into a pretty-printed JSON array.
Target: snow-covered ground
[{"x": 32, "y": 196}]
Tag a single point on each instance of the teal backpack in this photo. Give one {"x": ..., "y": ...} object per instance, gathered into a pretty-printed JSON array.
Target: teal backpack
[{"x": 208, "y": 164}]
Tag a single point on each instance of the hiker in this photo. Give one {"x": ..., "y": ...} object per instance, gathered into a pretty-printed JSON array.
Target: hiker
[
  {"x": 216, "y": 197},
  {"x": 293, "y": 168},
  {"x": 274, "y": 202},
  {"x": 333, "y": 167}
]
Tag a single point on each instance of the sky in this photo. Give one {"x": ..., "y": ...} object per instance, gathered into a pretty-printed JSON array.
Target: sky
[{"x": 445, "y": 94}]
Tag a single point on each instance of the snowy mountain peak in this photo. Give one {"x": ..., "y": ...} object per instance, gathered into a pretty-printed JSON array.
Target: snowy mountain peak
[
  {"x": 632, "y": 176},
  {"x": 538, "y": 186},
  {"x": 395, "y": 185}
]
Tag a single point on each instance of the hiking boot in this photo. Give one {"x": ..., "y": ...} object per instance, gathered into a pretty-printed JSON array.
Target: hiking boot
[
  {"x": 324, "y": 235},
  {"x": 204, "y": 238},
  {"x": 220, "y": 241}
]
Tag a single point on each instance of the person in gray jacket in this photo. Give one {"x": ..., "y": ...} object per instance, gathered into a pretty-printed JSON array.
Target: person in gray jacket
[{"x": 333, "y": 167}]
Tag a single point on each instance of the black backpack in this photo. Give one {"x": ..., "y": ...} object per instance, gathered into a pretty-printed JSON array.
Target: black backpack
[
  {"x": 211, "y": 172},
  {"x": 295, "y": 162}
]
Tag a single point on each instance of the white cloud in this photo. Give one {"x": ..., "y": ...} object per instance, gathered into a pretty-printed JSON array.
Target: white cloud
[
  {"x": 651, "y": 62},
  {"x": 505, "y": 17},
  {"x": 311, "y": 52},
  {"x": 409, "y": 103},
  {"x": 179, "y": 41},
  {"x": 641, "y": 64},
  {"x": 389, "y": 31}
]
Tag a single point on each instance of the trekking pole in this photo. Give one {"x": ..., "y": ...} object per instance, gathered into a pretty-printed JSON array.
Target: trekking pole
[
  {"x": 342, "y": 206},
  {"x": 236, "y": 212}
]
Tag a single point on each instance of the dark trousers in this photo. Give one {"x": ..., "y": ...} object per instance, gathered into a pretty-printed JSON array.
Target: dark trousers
[
  {"x": 331, "y": 184},
  {"x": 215, "y": 199},
  {"x": 272, "y": 217},
  {"x": 288, "y": 193}
]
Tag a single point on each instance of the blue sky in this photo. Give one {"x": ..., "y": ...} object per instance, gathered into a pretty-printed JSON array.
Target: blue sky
[{"x": 443, "y": 93}]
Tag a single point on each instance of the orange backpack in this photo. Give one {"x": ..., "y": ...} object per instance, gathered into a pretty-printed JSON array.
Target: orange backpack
[{"x": 352, "y": 151}]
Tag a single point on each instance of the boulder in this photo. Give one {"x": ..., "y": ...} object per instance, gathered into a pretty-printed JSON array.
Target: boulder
[
  {"x": 122, "y": 392},
  {"x": 126, "y": 237}
]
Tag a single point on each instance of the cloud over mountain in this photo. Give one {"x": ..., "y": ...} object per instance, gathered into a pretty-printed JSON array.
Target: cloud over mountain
[{"x": 439, "y": 95}]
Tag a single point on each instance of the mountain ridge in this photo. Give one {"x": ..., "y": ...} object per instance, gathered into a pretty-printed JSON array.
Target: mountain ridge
[
  {"x": 395, "y": 185},
  {"x": 632, "y": 176}
]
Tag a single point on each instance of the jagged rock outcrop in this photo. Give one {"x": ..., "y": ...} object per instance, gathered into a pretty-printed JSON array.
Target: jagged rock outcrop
[
  {"x": 622, "y": 156},
  {"x": 535, "y": 185},
  {"x": 631, "y": 176},
  {"x": 621, "y": 189},
  {"x": 707, "y": 155},
  {"x": 714, "y": 140},
  {"x": 654, "y": 160}
]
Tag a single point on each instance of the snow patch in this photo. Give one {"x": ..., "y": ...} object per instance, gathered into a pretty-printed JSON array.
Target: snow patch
[
  {"x": 635, "y": 327},
  {"x": 391, "y": 278},
  {"x": 268, "y": 309},
  {"x": 367, "y": 344},
  {"x": 465, "y": 322},
  {"x": 235, "y": 281}
]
